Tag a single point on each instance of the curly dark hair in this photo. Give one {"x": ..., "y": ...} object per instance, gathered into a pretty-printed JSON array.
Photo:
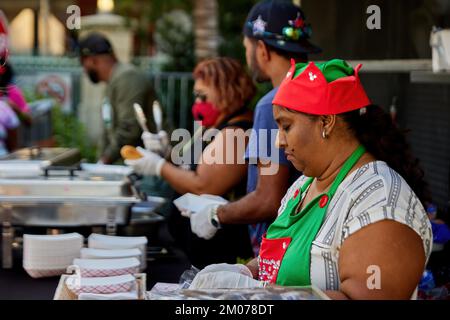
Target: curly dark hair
[{"x": 376, "y": 131}]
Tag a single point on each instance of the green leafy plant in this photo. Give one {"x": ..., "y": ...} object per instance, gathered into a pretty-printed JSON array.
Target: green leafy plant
[{"x": 69, "y": 132}]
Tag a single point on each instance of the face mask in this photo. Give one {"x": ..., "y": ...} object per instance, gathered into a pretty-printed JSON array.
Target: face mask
[
  {"x": 205, "y": 112},
  {"x": 93, "y": 76}
]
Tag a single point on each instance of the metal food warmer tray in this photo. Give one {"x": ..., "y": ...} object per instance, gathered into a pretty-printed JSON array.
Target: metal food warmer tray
[
  {"x": 88, "y": 195},
  {"x": 44, "y": 157}
]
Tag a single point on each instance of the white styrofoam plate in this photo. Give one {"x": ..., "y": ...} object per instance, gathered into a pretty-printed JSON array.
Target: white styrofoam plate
[
  {"x": 106, "y": 263},
  {"x": 53, "y": 238},
  {"x": 90, "y": 253},
  {"x": 102, "y": 241}
]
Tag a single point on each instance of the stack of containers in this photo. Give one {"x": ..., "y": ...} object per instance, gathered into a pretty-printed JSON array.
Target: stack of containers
[
  {"x": 107, "y": 267},
  {"x": 109, "y": 247},
  {"x": 50, "y": 255}
]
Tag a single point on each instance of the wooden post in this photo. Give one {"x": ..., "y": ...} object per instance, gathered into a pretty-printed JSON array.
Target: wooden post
[
  {"x": 206, "y": 29},
  {"x": 44, "y": 36}
]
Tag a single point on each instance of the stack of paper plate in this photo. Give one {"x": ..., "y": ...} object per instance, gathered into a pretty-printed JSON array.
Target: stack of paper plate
[
  {"x": 100, "y": 241},
  {"x": 91, "y": 253},
  {"x": 50, "y": 255}
]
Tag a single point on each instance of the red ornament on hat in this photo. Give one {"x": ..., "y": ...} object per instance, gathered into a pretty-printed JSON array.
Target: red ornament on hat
[
  {"x": 299, "y": 23},
  {"x": 310, "y": 92}
]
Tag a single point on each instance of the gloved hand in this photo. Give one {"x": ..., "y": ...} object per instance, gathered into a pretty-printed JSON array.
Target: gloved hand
[
  {"x": 223, "y": 280},
  {"x": 201, "y": 222},
  {"x": 208, "y": 197},
  {"x": 237, "y": 268},
  {"x": 150, "y": 164},
  {"x": 158, "y": 143}
]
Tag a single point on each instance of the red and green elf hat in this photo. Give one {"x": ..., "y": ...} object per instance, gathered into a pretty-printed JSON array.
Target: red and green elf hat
[{"x": 326, "y": 88}]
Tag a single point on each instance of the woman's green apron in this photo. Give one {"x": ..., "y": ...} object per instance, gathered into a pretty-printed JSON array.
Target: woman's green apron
[{"x": 285, "y": 255}]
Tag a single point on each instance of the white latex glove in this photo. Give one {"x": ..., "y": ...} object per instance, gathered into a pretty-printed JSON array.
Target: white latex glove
[
  {"x": 158, "y": 142},
  {"x": 194, "y": 203},
  {"x": 237, "y": 268},
  {"x": 223, "y": 280},
  {"x": 201, "y": 222},
  {"x": 150, "y": 164},
  {"x": 186, "y": 213}
]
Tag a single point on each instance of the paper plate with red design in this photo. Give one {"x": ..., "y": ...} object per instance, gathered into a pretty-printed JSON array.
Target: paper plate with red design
[
  {"x": 115, "y": 284},
  {"x": 107, "y": 267}
]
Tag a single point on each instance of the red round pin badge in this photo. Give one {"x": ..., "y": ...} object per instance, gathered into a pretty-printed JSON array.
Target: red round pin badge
[{"x": 323, "y": 201}]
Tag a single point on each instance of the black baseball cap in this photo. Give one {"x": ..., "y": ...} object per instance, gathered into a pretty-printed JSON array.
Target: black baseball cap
[
  {"x": 94, "y": 44},
  {"x": 280, "y": 24}
]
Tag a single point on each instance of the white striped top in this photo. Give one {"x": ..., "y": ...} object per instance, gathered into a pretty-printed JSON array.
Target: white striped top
[{"x": 370, "y": 194}]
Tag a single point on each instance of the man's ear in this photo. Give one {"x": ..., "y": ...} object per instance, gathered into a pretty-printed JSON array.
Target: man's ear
[{"x": 263, "y": 51}]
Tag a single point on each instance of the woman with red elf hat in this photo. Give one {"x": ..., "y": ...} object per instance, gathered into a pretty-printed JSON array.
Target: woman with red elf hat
[{"x": 354, "y": 224}]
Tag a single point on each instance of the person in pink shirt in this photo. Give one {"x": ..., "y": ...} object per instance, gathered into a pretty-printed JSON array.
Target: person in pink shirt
[
  {"x": 12, "y": 95},
  {"x": 8, "y": 124}
]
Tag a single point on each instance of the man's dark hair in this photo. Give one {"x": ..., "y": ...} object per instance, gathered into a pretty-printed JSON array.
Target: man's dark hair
[{"x": 298, "y": 57}]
